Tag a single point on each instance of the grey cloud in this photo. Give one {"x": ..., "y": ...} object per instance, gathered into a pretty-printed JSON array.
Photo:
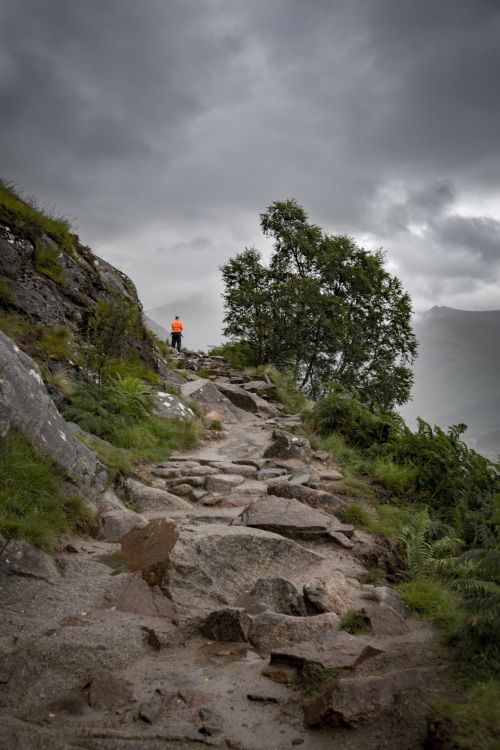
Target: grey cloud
[{"x": 146, "y": 120}]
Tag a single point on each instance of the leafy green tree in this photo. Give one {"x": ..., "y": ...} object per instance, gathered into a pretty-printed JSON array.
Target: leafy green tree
[{"x": 323, "y": 308}]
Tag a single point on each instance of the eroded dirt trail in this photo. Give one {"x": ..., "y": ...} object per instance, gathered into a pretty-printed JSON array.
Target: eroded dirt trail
[{"x": 239, "y": 637}]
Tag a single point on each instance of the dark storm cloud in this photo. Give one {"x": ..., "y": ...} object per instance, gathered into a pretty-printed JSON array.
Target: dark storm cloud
[{"x": 158, "y": 122}]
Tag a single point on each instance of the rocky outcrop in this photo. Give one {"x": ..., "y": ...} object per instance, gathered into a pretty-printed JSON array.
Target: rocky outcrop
[{"x": 26, "y": 406}]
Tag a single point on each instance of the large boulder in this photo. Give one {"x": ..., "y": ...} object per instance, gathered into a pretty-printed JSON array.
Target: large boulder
[
  {"x": 148, "y": 549},
  {"x": 351, "y": 701},
  {"x": 276, "y": 594},
  {"x": 172, "y": 407},
  {"x": 18, "y": 557},
  {"x": 227, "y": 625},
  {"x": 287, "y": 445},
  {"x": 276, "y": 631},
  {"x": 116, "y": 519},
  {"x": 246, "y": 400},
  {"x": 26, "y": 406},
  {"x": 214, "y": 563},
  {"x": 213, "y": 403},
  {"x": 332, "y": 594}
]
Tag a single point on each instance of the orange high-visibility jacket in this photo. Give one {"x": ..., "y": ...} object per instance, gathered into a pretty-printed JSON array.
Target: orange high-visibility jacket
[{"x": 176, "y": 326}]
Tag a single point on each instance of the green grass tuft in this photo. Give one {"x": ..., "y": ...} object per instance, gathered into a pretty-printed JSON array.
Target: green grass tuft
[
  {"x": 132, "y": 366},
  {"x": 47, "y": 263},
  {"x": 26, "y": 218},
  {"x": 429, "y": 597},
  {"x": 397, "y": 478},
  {"x": 33, "y": 501},
  {"x": 356, "y": 622}
]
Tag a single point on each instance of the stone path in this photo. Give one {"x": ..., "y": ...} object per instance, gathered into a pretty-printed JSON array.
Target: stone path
[{"x": 233, "y": 640}]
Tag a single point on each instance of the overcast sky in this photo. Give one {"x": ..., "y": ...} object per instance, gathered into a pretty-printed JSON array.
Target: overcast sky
[{"x": 164, "y": 127}]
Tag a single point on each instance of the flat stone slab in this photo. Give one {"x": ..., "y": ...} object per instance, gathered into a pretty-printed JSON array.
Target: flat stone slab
[
  {"x": 272, "y": 631},
  {"x": 292, "y": 518},
  {"x": 354, "y": 701},
  {"x": 337, "y": 650},
  {"x": 285, "y": 516},
  {"x": 227, "y": 467},
  {"x": 223, "y": 483},
  {"x": 314, "y": 498},
  {"x": 152, "y": 498}
]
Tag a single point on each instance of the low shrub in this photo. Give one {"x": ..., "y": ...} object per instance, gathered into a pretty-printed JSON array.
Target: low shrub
[
  {"x": 471, "y": 724},
  {"x": 342, "y": 412},
  {"x": 237, "y": 353},
  {"x": 34, "y": 503}
]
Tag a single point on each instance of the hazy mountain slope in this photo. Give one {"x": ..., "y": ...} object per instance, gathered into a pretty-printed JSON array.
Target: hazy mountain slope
[
  {"x": 153, "y": 326},
  {"x": 457, "y": 372}
]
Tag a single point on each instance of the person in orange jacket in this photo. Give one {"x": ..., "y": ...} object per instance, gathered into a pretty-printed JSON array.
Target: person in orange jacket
[{"x": 176, "y": 329}]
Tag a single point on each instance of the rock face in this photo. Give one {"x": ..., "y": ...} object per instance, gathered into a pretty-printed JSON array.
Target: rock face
[
  {"x": 148, "y": 549},
  {"x": 212, "y": 563},
  {"x": 26, "y": 406}
]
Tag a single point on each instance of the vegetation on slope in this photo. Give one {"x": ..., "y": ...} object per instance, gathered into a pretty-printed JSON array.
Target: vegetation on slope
[
  {"x": 34, "y": 502},
  {"x": 439, "y": 500}
]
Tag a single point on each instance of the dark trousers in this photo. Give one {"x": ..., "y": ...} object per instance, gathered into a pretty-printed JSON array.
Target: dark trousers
[{"x": 176, "y": 341}]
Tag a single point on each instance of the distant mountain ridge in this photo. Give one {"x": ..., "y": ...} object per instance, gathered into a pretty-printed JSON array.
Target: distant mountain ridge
[{"x": 457, "y": 373}]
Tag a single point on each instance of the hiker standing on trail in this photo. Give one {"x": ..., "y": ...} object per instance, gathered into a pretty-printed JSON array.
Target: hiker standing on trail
[{"x": 176, "y": 329}]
